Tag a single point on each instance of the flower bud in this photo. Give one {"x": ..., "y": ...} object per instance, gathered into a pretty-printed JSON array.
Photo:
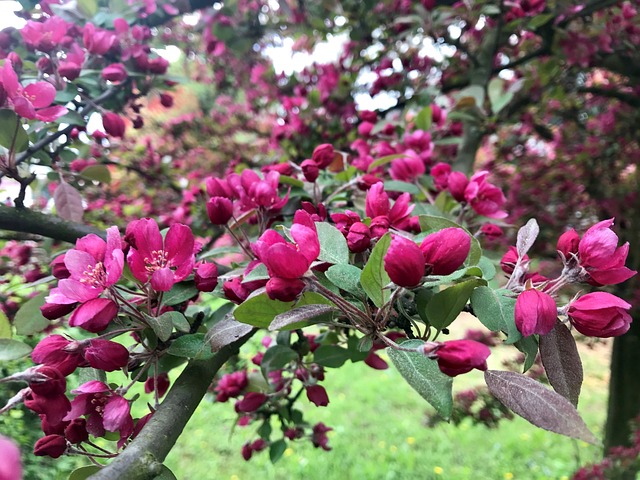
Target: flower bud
[
  {"x": 535, "y": 312},
  {"x": 220, "y": 210},
  {"x": 159, "y": 383},
  {"x": 461, "y": 356},
  {"x": 323, "y": 155},
  {"x": 53, "y": 311},
  {"x": 404, "y": 262},
  {"x": 116, "y": 72},
  {"x": 206, "y": 277},
  {"x": 491, "y": 231},
  {"x": 317, "y": 395},
  {"x": 310, "y": 170},
  {"x": 106, "y": 355},
  {"x": 509, "y": 260},
  {"x": 568, "y": 244},
  {"x": 246, "y": 451},
  {"x": 48, "y": 382},
  {"x": 440, "y": 173},
  {"x": 445, "y": 251},
  {"x": 457, "y": 183},
  {"x": 284, "y": 289},
  {"x": 76, "y": 431},
  {"x": 251, "y": 402},
  {"x": 600, "y": 314},
  {"x": 113, "y": 124},
  {"x": 94, "y": 316},
  {"x": 166, "y": 100},
  {"x": 52, "y": 446},
  {"x": 359, "y": 237}
]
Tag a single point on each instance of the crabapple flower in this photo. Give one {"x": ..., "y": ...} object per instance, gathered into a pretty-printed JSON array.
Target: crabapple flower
[
  {"x": 601, "y": 257},
  {"x": 52, "y": 446},
  {"x": 95, "y": 315},
  {"x": 446, "y": 250},
  {"x": 319, "y": 436},
  {"x": 251, "y": 402},
  {"x": 94, "y": 265},
  {"x": 485, "y": 198},
  {"x": 377, "y": 205},
  {"x": 116, "y": 72},
  {"x": 568, "y": 244},
  {"x": 600, "y": 314},
  {"x": 317, "y": 395},
  {"x": 440, "y": 173},
  {"x": 323, "y": 155},
  {"x": 45, "y": 36},
  {"x": 33, "y": 101},
  {"x": 11, "y": 466},
  {"x": 255, "y": 192},
  {"x": 458, "y": 356},
  {"x": 407, "y": 169},
  {"x": 160, "y": 262},
  {"x": 404, "y": 262},
  {"x": 231, "y": 385},
  {"x": 206, "y": 277},
  {"x": 220, "y": 210},
  {"x": 113, "y": 124},
  {"x": 535, "y": 312},
  {"x": 71, "y": 66}
]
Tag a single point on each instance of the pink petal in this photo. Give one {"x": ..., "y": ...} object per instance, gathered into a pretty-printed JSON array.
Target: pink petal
[
  {"x": 24, "y": 108},
  {"x": 162, "y": 280},
  {"x": 78, "y": 262},
  {"x": 94, "y": 386},
  {"x": 147, "y": 236},
  {"x": 51, "y": 114},
  {"x": 137, "y": 265},
  {"x": 41, "y": 94},
  {"x": 93, "y": 245},
  {"x": 284, "y": 261},
  {"x": 81, "y": 405},
  {"x": 307, "y": 240},
  {"x": 116, "y": 412},
  {"x": 178, "y": 244},
  {"x": 10, "y": 80},
  {"x": 76, "y": 291}
]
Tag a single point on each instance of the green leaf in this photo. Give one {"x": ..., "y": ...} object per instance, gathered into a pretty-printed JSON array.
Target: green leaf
[
  {"x": 178, "y": 320},
  {"x": 258, "y": 273},
  {"x": 29, "y": 318},
  {"x": 528, "y": 346},
  {"x": 277, "y": 357},
  {"x": 291, "y": 181},
  {"x": 88, "y": 8},
  {"x": 423, "y": 119},
  {"x": 276, "y": 450},
  {"x": 488, "y": 268},
  {"x": 354, "y": 344},
  {"x": 89, "y": 374},
  {"x": 165, "y": 474},
  {"x": 191, "y": 346},
  {"x": 99, "y": 173},
  {"x": 445, "y": 306},
  {"x": 10, "y": 127},
  {"x": 83, "y": 473},
  {"x": 431, "y": 224},
  {"x": 333, "y": 245},
  {"x": 331, "y": 356},
  {"x": 498, "y": 96},
  {"x": 374, "y": 277},
  {"x": 346, "y": 277},
  {"x": 162, "y": 325},
  {"x": 495, "y": 311},
  {"x": 71, "y": 118},
  {"x": 425, "y": 377},
  {"x": 5, "y": 326},
  {"x": 301, "y": 317},
  {"x": 13, "y": 349},
  {"x": 398, "y": 186},
  {"x": 260, "y": 310},
  {"x": 226, "y": 331},
  {"x": 386, "y": 159},
  {"x": 181, "y": 292}
]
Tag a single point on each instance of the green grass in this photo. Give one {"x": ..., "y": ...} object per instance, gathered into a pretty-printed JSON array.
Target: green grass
[{"x": 380, "y": 433}]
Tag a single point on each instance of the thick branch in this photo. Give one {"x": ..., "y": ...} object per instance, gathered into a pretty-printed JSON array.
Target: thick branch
[
  {"x": 143, "y": 458},
  {"x": 28, "y": 221}
]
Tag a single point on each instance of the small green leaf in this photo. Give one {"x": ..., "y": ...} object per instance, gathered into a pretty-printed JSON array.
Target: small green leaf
[
  {"x": 386, "y": 159},
  {"x": 445, "y": 306},
  {"x": 277, "y": 357},
  {"x": 276, "y": 450},
  {"x": 423, "y": 119},
  {"x": 346, "y": 277},
  {"x": 498, "y": 96},
  {"x": 333, "y": 245},
  {"x": 398, "y": 186},
  {"x": 353, "y": 345},
  {"x": 425, "y": 377},
  {"x": 29, "y": 318},
  {"x": 431, "y": 224},
  {"x": 99, "y": 173},
  {"x": 5, "y": 326},
  {"x": 10, "y": 127},
  {"x": 191, "y": 346},
  {"x": 331, "y": 356},
  {"x": 178, "y": 320},
  {"x": 258, "y": 273},
  {"x": 528, "y": 346},
  {"x": 260, "y": 310},
  {"x": 488, "y": 268},
  {"x": 83, "y": 473},
  {"x": 162, "y": 326},
  {"x": 181, "y": 292},
  {"x": 374, "y": 277},
  {"x": 165, "y": 474},
  {"x": 90, "y": 374},
  {"x": 13, "y": 349},
  {"x": 495, "y": 311},
  {"x": 88, "y": 8}
]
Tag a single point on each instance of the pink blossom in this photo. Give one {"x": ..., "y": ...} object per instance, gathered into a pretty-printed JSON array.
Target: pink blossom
[
  {"x": 459, "y": 356},
  {"x": 535, "y": 312},
  {"x": 97, "y": 40},
  {"x": 11, "y": 466},
  {"x": 71, "y": 66},
  {"x": 116, "y": 72},
  {"x": 317, "y": 395},
  {"x": 52, "y": 446},
  {"x": 94, "y": 315},
  {"x": 160, "y": 262},
  {"x": 446, "y": 250},
  {"x": 377, "y": 204},
  {"x": 45, "y": 36},
  {"x": 600, "y": 314},
  {"x": 404, "y": 262},
  {"x": 319, "y": 436},
  {"x": 407, "y": 169},
  {"x": 485, "y": 198},
  {"x": 231, "y": 385}
]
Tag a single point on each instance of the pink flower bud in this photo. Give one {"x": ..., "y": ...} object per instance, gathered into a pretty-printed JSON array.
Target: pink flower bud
[
  {"x": 251, "y": 402},
  {"x": 94, "y": 316},
  {"x": 284, "y": 289},
  {"x": 491, "y": 231},
  {"x": 106, "y": 355},
  {"x": 359, "y": 237},
  {"x": 461, "y": 356},
  {"x": 48, "y": 382},
  {"x": 52, "y": 311},
  {"x": 166, "y": 100},
  {"x": 457, "y": 183},
  {"x": 259, "y": 445},
  {"x": 600, "y": 314},
  {"x": 116, "y": 72},
  {"x": 113, "y": 124},
  {"x": 323, "y": 155},
  {"x": 445, "y": 251},
  {"x": 52, "y": 446},
  {"x": 568, "y": 243},
  {"x": 509, "y": 259},
  {"x": 404, "y": 262},
  {"x": 161, "y": 382},
  {"x": 310, "y": 170},
  {"x": 57, "y": 352},
  {"x": 76, "y": 431},
  {"x": 317, "y": 395},
  {"x": 440, "y": 173},
  {"x": 246, "y": 451},
  {"x": 10, "y": 467},
  {"x": 535, "y": 312},
  {"x": 220, "y": 210},
  {"x": 206, "y": 277}
]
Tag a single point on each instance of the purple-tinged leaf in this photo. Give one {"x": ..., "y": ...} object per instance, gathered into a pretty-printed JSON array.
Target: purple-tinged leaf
[
  {"x": 538, "y": 405},
  {"x": 226, "y": 331},
  {"x": 68, "y": 202},
  {"x": 561, "y": 362},
  {"x": 526, "y": 237},
  {"x": 301, "y": 317}
]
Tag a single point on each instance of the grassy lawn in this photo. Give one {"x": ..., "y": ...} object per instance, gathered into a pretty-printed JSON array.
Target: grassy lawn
[{"x": 380, "y": 433}]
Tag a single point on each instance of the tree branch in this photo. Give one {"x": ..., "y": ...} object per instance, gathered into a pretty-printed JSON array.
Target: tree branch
[
  {"x": 142, "y": 459},
  {"x": 628, "y": 98},
  {"x": 28, "y": 221}
]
